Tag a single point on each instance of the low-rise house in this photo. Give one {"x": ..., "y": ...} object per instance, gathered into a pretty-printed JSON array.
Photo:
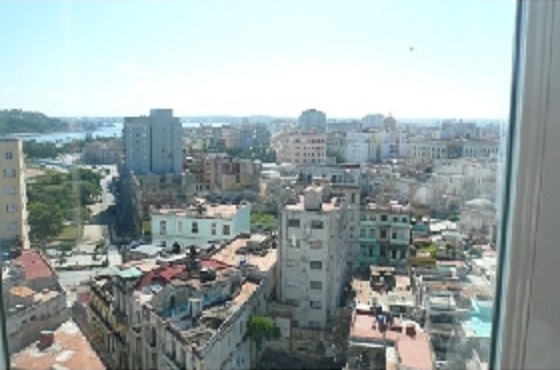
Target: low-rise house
[{"x": 200, "y": 224}]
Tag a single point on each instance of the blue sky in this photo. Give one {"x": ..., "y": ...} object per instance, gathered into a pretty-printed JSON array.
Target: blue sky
[{"x": 347, "y": 58}]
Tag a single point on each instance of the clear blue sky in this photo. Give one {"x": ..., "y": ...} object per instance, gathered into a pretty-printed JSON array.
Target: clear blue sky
[{"x": 347, "y": 58}]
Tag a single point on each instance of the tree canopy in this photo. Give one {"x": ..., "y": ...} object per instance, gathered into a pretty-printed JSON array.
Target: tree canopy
[{"x": 18, "y": 121}]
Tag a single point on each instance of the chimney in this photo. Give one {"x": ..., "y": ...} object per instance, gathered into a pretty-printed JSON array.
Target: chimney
[
  {"x": 46, "y": 339},
  {"x": 411, "y": 330}
]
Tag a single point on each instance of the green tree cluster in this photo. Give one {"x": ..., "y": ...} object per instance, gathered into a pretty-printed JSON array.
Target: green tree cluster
[
  {"x": 18, "y": 121},
  {"x": 57, "y": 197},
  {"x": 261, "y": 328},
  {"x": 265, "y": 220}
]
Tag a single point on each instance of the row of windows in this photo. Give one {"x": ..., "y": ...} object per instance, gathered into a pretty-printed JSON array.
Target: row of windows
[
  {"x": 313, "y": 265},
  {"x": 382, "y": 234},
  {"x": 383, "y": 218},
  {"x": 226, "y": 229},
  {"x": 315, "y": 224}
]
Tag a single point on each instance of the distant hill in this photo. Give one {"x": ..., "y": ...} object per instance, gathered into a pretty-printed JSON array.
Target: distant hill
[{"x": 17, "y": 121}]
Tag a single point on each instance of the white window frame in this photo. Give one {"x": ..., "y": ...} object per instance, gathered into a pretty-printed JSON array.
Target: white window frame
[{"x": 526, "y": 320}]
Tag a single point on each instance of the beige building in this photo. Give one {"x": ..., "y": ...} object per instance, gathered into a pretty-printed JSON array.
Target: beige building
[
  {"x": 302, "y": 149},
  {"x": 13, "y": 198}
]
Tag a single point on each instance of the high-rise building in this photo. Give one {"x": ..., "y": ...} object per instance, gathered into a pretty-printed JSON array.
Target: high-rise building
[
  {"x": 153, "y": 144},
  {"x": 312, "y": 257},
  {"x": 13, "y": 196},
  {"x": 313, "y": 121}
]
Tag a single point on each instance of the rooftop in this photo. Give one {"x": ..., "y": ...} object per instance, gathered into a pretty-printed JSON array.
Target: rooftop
[
  {"x": 327, "y": 206},
  {"x": 70, "y": 351},
  {"x": 21, "y": 291},
  {"x": 414, "y": 351},
  {"x": 34, "y": 264},
  {"x": 202, "y": 210},
  {"x": 235, "y": 252}
]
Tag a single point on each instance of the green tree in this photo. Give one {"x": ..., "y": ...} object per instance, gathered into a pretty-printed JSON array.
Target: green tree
[
  {"x": 261, "y": 328},
  {"x": 45, "y": 221}
]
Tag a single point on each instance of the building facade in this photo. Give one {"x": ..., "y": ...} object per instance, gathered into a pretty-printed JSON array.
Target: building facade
[
  {"x": 384, "y": 235},
  {"x": 302, "y": 149},
  {"x": 313, "y": 121},
  {"x": 200, "y": 225},
  {"x": 13, "y": 196},
  {"x": 312, "y": 258},
  {"x": 153, "y": 144}
]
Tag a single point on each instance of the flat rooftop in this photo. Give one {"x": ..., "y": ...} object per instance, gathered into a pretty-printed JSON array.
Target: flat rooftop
[
  {"x": 330, "y": 205},
  {"x": 414, "y": 351},
  {"x": 69, "y": 351},
  {"x": 207, "y": 211},
  {"x": 230, "y": 255}
]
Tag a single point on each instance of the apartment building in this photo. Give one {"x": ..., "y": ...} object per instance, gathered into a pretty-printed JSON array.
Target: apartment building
[
  {"x": 153, "y": 144},
  {"x": 312, "y": 121},
  {"x": 302, "y": 149},
  {"x": 33, "y": 299},
  {"x": 312, "y": 257},
  {"x": 384, "y": 235},
  {"x": 221, "y": 172},
  {"x": 185, "y": 311},
  {"x": 201, "y": 224},
  {"x": 452, "y": 149},
  {"x": 13, "y": 197}
]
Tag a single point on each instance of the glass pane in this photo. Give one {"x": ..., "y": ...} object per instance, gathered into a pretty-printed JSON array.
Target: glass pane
[{"x": 322, "y": 190}]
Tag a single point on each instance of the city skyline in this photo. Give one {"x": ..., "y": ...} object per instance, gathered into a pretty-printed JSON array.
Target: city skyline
[{"x": 413, "y": 60}]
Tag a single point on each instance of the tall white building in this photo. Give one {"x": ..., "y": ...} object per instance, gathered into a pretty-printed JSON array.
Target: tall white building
[
  {"x": 13, "y": 196},
  {"x": 357, "y": 148},
  {"x": 302, "y": 149},
  {"x": 153, "y": 144},
  {"x": 312, "y": 257},
  {"x": 372, "y": 121},
  {"x": 313, "y": 121}
]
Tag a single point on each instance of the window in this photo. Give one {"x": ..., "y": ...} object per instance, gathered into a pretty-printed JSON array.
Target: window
[
  {"x": 316, "y": 224},
  {"x": 290, "y": 263},
  {"x": 293, "y": 222},
  {"x": 316, "y": 285},
  {"x": 194, "y": 227},
  {"x": 180, "y": 226},
  {"x": 383, "y": 217},
  {"x": 316, "y": 244},
  {"x": 383, "y": 234},
  {"x": 9, "y": 155},
  {"x": 316, "y": 265},
  {"x": 12, "y": 226},
  {"x": 11, "y": 208},
  {"x": 9, "y": 172},
  {"x": 10, "y": 190},
  {"x": 213, "y": 228},
  {"x": 315, "y": 305},
  {"x": 226, "y": 230},
  {"x": 394, "y": 235},
  {"x": 163, "y": 227}
]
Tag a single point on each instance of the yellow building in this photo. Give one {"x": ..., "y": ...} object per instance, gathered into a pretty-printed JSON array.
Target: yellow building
[{"x": 13, "y": 198}]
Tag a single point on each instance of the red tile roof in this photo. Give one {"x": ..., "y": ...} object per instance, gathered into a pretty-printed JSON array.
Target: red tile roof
[
  {"x": 34, "y": 264},
  {"x": 165, "y": 273},
  {"x": 215, "y": 264}
]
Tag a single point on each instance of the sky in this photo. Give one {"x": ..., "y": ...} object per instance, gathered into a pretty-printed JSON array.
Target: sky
[{"x": 348, "y": 58}]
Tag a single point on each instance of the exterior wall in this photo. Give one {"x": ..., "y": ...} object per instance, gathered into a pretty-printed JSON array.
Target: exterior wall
[
  {"x": 24, "y": 327},
  {"x": 153, "y": 144},
  {"x": 357, "y": 149},
  {"x": 13, "y": 195},
  {"x": 312, "y": 121},
  {"x": 179, "y": 228},
  {"x": 302, "y": 149},
  {"x": 302, "y": 280},
  {"x": 384, "y": 238}
]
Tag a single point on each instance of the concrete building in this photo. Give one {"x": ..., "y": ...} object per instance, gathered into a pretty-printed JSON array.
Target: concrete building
[
  {"x": 33, "y": 299},
  {"x": 384, "y": 235},
  {"x": 65, "y": 348},
  {"x": 372, "y": 121},
  {"x": 223, "y": 173},
  {"x": 357, "y": 149},
  {"x": 302, "y": 149},
  {"x": 184, "y": 312},
  {"x": 313, "y": 121},
  {"x": 153, "y": 144},
  {"x": 99, "y": 153},
  {"x": 312, "y": 258},
  {"x": 200, "y": 225},
  {"x": 14, "y": 229},
  {"x": 453, "y": 149}
]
